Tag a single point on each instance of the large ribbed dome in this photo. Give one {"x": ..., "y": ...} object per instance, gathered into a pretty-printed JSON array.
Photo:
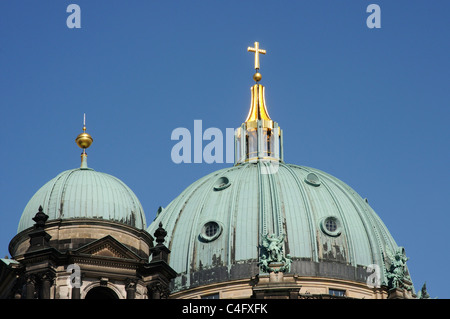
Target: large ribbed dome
[
  {"x": 85, "y": 193},
  {"x": 242, "y": 226},
  {"x": 215, "y": 226}
]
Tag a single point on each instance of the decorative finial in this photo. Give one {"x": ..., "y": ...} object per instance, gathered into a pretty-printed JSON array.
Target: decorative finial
[
  {"x": 160, "y": 234},
  {"x": 40, "y": 218},
  {"x": 39, "y": 238},
  {"x": 257, "y": 76},
  {"x": 84, "y": 140}
]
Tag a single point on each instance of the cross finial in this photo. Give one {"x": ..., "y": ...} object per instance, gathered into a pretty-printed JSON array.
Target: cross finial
[{"x": 257, "y": 51}]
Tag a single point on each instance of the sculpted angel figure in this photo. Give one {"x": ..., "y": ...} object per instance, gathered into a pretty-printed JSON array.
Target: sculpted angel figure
[
  {"x": 263, "y": 262},
  {"x": 273, "y": 254},
  {"x": 397, "y": 272},
  {"x": 274, "y": 246},
  {"x": 272, "y": 258}
]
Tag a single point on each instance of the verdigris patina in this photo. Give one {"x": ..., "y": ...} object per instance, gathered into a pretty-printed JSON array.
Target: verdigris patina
[
  {"x": 272, "y": 256},
  {"x": 423, "y": 293},
  {"x": 397, "y": 272}
]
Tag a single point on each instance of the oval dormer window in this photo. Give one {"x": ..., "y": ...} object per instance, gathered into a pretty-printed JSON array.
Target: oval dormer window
[
  {"x": 331, "y": 226},
  {"x": 222, "y": 183},
  {"x": 210, "y": 231},
  {"x": 312, "y": 179}
]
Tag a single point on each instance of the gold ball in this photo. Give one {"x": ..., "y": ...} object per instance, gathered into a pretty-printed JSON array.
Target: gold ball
[
  {"x": 257, "y": 77},
  {"x": 84, "y": 140}
]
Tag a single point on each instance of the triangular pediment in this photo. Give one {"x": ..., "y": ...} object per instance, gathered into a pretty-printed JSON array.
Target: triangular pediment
[{"x": 107, "y": 246}]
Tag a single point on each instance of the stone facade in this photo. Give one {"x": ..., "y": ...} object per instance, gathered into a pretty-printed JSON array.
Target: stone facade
[
  {"x": 73, "y": 259},
  {"x": 285, "y": 286},
  {"x": 88, "y": 259}
]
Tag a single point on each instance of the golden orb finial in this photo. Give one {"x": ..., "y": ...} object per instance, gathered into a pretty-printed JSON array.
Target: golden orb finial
[
  {"x": 257, "y": 77},
  {"x": 84, "y": 140}
]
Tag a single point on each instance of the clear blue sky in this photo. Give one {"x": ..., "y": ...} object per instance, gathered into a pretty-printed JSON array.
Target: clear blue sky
[{"x": 369, "y": 106}]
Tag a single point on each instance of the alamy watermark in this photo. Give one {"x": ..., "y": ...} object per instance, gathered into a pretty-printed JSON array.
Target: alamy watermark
[
  {"x": 374, "y": 279},
  {"x": 220, "y": 147},
  {"x": 73, "y": 21},
  {"x": 374, "y": 19},
  {"x": 74, "y": 280},
  {"x": 213, "y": 152}
]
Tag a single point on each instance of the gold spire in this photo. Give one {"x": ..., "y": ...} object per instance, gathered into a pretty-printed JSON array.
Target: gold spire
[
  {"x": 258, "y": 109},
  {"x": 259, "y": 137},
  {"x": 84, "y": 140},
  {"x": 257, "y": 51}
]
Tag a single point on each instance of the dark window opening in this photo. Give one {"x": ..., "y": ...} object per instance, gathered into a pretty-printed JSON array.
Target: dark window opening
[
  {"x": 101, "y": 293},
  {"x": 212, "y": 296},
  {"x": 331, "y": 224},
  {"x": 336, "y": 292},
  {"x": 211, "y": 229}
]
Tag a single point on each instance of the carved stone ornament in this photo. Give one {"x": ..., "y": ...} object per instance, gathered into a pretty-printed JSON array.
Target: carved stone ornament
[
  {"x": 160, "y": 234},
  {"x": 130, "y": 283},
  {"x": 40, "y": 218},
  {"x": 158, "y": 291}
]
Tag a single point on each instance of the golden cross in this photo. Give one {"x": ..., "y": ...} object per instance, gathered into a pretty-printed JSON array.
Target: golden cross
[{"x": 257, "y": 51}]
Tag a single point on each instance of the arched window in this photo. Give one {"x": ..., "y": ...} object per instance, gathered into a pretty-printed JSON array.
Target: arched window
[{"x": 101, "y": 293}]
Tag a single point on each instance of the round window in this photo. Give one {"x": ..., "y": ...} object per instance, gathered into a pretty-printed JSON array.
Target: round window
[
  {"x": 331, "y": 226},
  {"x": 221, "y": 183},
  {"x": 210, "y": 231},
  {"x": 312, "y": 179}
]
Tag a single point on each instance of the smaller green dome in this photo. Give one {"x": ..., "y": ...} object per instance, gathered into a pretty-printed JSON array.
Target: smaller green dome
[{"x": 85, "y": 193}]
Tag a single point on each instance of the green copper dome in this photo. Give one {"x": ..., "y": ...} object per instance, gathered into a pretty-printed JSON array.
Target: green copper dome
[
  {"x": 263, "y": 216},
  {"x": 216, "y": 225},
  {"x": 85, "y": 193}
]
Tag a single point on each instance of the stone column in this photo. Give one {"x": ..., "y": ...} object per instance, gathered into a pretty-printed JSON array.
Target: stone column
[
  {"x": 46, "y": 282},
  {"x": 30, "y": 287},
  {"x": 155, "y": 291},
  {"x": 76, "y": 294},
  {"x": 130, "y": 287}
]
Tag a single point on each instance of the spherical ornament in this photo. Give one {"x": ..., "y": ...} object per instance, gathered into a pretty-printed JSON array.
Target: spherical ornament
[
  {"x": 84, "y": 140},
  {"x": 257, "y": 77}
]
